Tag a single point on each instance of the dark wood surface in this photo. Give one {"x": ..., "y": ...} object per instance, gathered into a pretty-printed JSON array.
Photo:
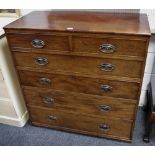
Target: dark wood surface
[
  {"x": 74, "y": 59},
  {"x": 115, "y": 23}
]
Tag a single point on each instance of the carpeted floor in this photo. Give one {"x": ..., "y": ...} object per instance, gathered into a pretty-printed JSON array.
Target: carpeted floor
[{"x": 30, "y": 135}]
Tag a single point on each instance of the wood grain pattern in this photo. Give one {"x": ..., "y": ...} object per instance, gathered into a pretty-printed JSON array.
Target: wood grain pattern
[
  {"x": 52, "y": 42},
  {"x": 79, "y": 64},
  {"x": 79, "y": 84},
  {"x": 107, "y": 77},
  {"x": 81, "y": 122},
  {"x": 122, "y": 46},
  {"x": 111, "y": 137},
  {"x": 94, "y": 22},
  {"x": 78, "y": 44},
  {"x": 81, "y": 103}
]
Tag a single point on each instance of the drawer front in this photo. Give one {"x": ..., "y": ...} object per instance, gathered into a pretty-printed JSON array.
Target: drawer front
[
  {"x": 39, "y": 42},
  {"x": 83, "y": 65},
  {"x": 79, "y": 122},
  {"x": 102, "y": 46},
  {"x": 81, "y": 103},
  {"x": 79, "y": 84}
]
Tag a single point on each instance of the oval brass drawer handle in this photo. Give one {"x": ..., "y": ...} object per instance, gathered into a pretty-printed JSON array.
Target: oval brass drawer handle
[
  {"x": 106, "y": 88},
  {"x": 104, "y": 127},
  {"x": 107, "y": 48},
  {"x": 48, "y": 100},
  {"x": 45, "y": 81},
  {"x": 41, "y": 61},
  {"x": 51, "y": 117},
  {"x": 38, "y": 43},
  {"x": 104, "y": 108},
  {"x": 106, "y": 67}
]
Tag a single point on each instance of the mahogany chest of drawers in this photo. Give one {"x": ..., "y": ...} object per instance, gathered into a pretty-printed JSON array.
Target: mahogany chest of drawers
[{"x": 81, "y": 71}]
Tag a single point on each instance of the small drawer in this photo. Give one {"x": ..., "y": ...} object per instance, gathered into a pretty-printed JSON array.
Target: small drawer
[
  {"x": 79, "y": 64},
  {"x": 39, "y": 42},
  {"x": 87, "y": 85},
  {"x": 113, "y": 46},
  {"x": 78, "y": 122},
  {"x": 82, "y": 103}
]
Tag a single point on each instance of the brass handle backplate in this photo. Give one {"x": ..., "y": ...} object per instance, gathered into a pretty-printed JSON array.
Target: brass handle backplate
[
  {"x": 45, "y": 81},
  {"x": 106, "y": 88},
  {"x": 51, "y": 117},
  {"x": 104, "y": 127},
  {"x": 104, "y": 108},
  {"x": 41, "y": 61},
  {"x": 106, "y": 67},
  {"x": 107, "y": 48},
  {"x": 48, "y": 100},
  {"x": 38, "y": 43}
]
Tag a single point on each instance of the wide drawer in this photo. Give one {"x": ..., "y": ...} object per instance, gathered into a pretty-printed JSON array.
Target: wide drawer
[
  {"x": 39, "y": 42},
  {"x": 81, "y": 103},
  {"x": 78, "y": 64},
  {"x": 113, "y": 46},
  {"x": 87, "y": 85},
  {"x": 80, "y": 44},
  {"x": 81, "y": 123}
]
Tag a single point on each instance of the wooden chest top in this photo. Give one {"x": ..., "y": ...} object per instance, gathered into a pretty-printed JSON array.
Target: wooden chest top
[{"x": 111, "y": 23}]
